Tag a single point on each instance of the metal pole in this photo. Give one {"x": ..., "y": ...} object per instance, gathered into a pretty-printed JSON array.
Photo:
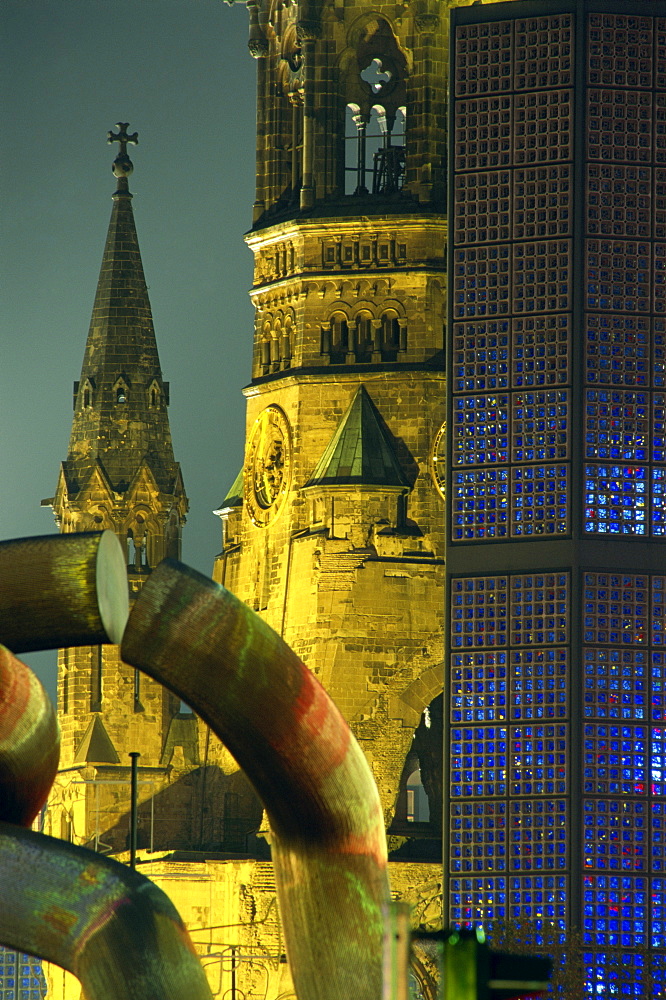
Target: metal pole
[{"x": 134, "y": 755}]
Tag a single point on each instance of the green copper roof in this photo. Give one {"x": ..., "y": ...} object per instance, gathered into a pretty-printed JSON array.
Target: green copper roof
[
  {"x": 96, "y": 746},
  {"x": 234, "y": 497},
  {"x": 360, "y": 452}
]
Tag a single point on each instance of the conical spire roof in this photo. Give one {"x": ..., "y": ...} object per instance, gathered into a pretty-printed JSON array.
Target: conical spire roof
[
  {"x": 120, "y": 402},
  {"x": 360, "y": 452}
]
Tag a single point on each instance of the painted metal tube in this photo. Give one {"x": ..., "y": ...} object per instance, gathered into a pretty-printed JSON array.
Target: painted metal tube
[
  {"x": 62, "y": 590},
  {"x": 112, "y": 928},
  {"x": 328, "y": 841},
  {"x": 29, "y": 742}
]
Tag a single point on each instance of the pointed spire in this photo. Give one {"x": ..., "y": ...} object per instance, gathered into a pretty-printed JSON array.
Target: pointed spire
[
  {"x": 96, "y": 746},
  {"x": 120, "y": 402},
  {"x": 360, "y": 452}
]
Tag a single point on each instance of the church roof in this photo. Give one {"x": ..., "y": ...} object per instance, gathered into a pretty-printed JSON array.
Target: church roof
[
  {"x": 360, "y": 452},
  {"x": 96, "y": 746},
  {"x": 120, "y": 404},
  {"x": 234, "y": 495}
]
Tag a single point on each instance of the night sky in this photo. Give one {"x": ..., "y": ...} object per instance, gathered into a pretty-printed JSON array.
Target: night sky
[{"x": 180, "y": 73}]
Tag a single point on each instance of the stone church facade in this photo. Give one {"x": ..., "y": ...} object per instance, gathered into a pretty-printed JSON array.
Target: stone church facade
[{"x": 334, "y": 528}]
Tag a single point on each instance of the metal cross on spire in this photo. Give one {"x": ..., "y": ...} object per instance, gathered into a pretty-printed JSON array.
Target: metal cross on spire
[{"x": 122, "y": 165}]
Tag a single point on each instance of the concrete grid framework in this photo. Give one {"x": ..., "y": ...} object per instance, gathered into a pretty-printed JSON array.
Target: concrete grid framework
[{"x": 554, "y": 715}]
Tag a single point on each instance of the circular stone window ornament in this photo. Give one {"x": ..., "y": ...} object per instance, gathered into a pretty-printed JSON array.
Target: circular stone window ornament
[
  {"x": 268, "y": 466},
  {"x": 438, "y": 461}
]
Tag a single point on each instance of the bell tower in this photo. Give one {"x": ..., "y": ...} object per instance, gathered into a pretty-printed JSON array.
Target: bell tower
[
  {"x": 334, "y": 529},
  {"x": 120, "y": 473}
]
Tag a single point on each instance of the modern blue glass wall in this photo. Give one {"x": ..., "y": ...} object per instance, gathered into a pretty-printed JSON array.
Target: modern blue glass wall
[{"x": 555, "y": 755}]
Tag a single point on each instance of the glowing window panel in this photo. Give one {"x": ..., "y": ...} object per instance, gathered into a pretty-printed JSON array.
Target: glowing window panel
[
  {"x": 620, "y": 50},
  {"x": 478, "y": 761},
  {"x": 616, "y": 499},
  {"x": 541, "y": 899},
  {"x": 614, "y": 759},
  {"x": 538, "y": 836},
  {"x": 543, "y": 52},
  {"x": 659, "y": 427},
  {"x": 479, "y": 612},
  {"x": 538, "y": 759},
  {"x": 539, "y": 608},
  {"x": 539, "y": 684},
  {"x": 541, "y": 276},
  {"x": 476, "y": 900},
  {"x": 658, "y": 761},
  {"x": 478, "y": 837},
  {"x": 617, "y": 350},
  {"x": 615, "y": 910},
  {"x": 484, "y": 58},
  {"x": 616, "y": 425},
  {"x": 616, "y": 834},
  {"x": 481, "y": 429},
  {"x": 482, "y": 207},
  {"x": 658, "y": 610},
  {"x": 619, "y": 200},
  {"x": 542, "y": 201},
  {"x": 540, "y": 354},
  {"x": 481, "y": 282},
  {"x": 658, "y": 933},
  {"x": 615, "y": 974},
  {"x": 658, "y": 502},
  {"x": 659, "y": 277},
  {"x": 619, "y": 124},
  {"x": 539, "y": 426},
  {"x": 483, "y": 133},
  {"x": 539, "y": 500},
  {"x": 480, "y": 504},
  {"x": 542, "y": 124},
  {"x": 481, "y": 356},
  {"x": 658, "y": 685},
  {"x": 659, "y": 207},
  {"x": 615, "y": 608},
  {"x": 618, "y": 274},
  {"x": 616, "y": 684},
  {"x": 479, "y": 687},
  {"x": 657, "y": 836}
]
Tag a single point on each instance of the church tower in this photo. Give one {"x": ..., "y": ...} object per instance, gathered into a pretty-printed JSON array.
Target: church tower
[
  {"x": 120, "y": 473},
  {"x": 334, "y": 530}
]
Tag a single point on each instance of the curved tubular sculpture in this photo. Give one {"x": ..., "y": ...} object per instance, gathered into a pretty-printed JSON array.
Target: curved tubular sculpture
[
  {"x": 111, "y": 927},
  {"x": 329, "y": 845},
  {"x": 29, "y": 742},
  {"x": 62, "y": 590}
]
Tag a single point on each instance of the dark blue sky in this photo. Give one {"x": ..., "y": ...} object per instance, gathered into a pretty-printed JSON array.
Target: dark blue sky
[{"x": 180, "y": 73}]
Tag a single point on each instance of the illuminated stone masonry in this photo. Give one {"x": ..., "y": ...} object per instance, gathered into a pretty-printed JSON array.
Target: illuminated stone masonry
[{"x": 556, "y": 472}]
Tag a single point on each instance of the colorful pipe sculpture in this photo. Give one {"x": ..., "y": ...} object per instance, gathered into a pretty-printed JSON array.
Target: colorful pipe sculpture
[
  {"x": 328, "y": 842},
  {"x": 62, "y": 590},
  {"x": 111, "y": 927},
  {"x": 29, "y": 742}
]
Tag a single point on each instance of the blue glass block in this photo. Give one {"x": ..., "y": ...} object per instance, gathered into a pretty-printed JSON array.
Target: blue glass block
[
  {"x": 658, "y": 761},
  {"x": 479, "y": 687},
  {"x": 614, "y": 760},
  {"x": 480, "y": 429},
  {"x": 479, "y": 616},
  {"x": 658, "y": 684},
  {"x": 658, "y": 501},
  {"x": 477, "y": 901},
  {"x": 539, "y": 684},
  {"x": 538, "y": 759},
  {"x": 658, "y": 816},
  {"x": 538, "y": 835},
  {"x": 615, "y": 499},
  {"x": 480, "y": 504},
  {"x": 615, "y": 684},
  {"x": 478, "y": 836}
]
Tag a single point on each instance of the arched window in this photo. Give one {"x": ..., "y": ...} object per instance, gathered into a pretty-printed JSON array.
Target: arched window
[
  {"x": 390, "y": 336},
  {"x": 418, "y": 807},
  {"x": 121, "y": 394},
  {"x": 339, "y": 345},
  {"x": 86, "y": 398},
  {"x": 364, "y": 337}
]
